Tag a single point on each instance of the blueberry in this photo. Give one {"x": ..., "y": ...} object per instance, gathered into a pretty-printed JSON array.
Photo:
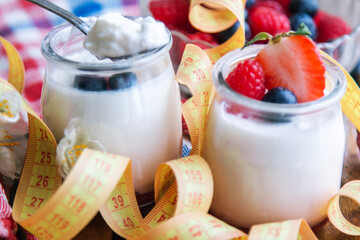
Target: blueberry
[
  {"x": 247, "y": 32},
  {"x": 90, "y": 83},
  {"x": 122, "y": 80},
  {"x": 246, "y": 14},
  {"x": 355, "y": 73},
  {"x": 299, "y": 18},
  {"x": 250, "y": 3},
  {"x": 280, "y": 95},
  {"x": 225, "y": 35},
  {"x": 306, "y": 6}
]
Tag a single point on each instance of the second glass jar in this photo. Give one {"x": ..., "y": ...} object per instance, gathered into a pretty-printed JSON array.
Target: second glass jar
[{"x": 273, "y": 162}]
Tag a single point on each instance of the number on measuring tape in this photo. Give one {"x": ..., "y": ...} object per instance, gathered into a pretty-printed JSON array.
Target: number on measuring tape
[
  {"x": 118, "y": 201},
  {"x": 215, "y": 223},
  {"x": 42, "y": 233},
  {"x": 45, "y": 157},
  {"x": 187, "y": 61},
  {"x": 91, "y": 183},
  {"x": 103, "y": 165},
  {"x": 128, "y": 223},
  {"x": 199, "y": 74},
  {"x": 162, "y": 218},
  {"x": 174, "y": 201},
  {"x": 195, "y": 231},
  {"x": 194, "y": 175},
  {"x": 274, "y": 231},
  {"x": 59, "y": 222},
  {"x": 76, "y": 204},
  {"x": 42, "y": 181},
  {"x": 43, "y": 135},
  {"x": 195, "y": 198},
  {"x": 36, "y": 202}
]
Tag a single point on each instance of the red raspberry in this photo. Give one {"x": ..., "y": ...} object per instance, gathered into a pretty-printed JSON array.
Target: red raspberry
[
  {"x": 331, "y": 27},
  {"x": 174, "y": 13},
  {"x": 248, "y": 79},
  {"x": 207, "y": 37},
  {"x": 264, "y": 19},
  {"x": 285, "y": 5},
  {"x": 319, "y": 16},
  {"x": 269, "y": 4},
  {"x": 185, "y": 127}
]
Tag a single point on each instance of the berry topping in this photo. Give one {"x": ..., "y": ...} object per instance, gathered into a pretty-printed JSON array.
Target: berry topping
[
  {"x": 174, "y": 13},
  {"x": 90, "y": 83},
  {"x": 319, "y": 16},
  {"x": 247, "y": 32},
  {"x": 305, "y": 6},
  {"x": 331, "y": 27},
  {"x": 285, "y": 5},
  {"x": 264, "y": 19},
  {"x": 299, "y": 18},
  {"x": 294, "y": 62},
  {"x": 250, "y": 3},
  {"x": 206, "y": 37},
  {"x": 122, "y": 81},
  {"x": 269, "y": 4},
  {"x": 248, "y": 79},
  {"x": 355, "y": 73},
  {"x": 280, "y": 95},
  {"x": 225, "y": 35}
]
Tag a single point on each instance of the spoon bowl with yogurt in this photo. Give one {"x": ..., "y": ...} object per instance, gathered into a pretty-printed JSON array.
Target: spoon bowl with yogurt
[{"x": 103, "y": 39}]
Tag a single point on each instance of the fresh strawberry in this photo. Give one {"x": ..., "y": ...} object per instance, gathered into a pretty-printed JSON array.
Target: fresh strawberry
[
  {"x": 174, "y": 13},
  {"x": 264, "y": 19},
  {"x": 269, "y": 4},
  {"x": 295, "y": 63},
  {"x": 331, "y": 27},
  {"x": 248, "y": 79}
]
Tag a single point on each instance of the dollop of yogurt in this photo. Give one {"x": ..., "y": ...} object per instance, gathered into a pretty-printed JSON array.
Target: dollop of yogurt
[{"x": 114, "y": 35}]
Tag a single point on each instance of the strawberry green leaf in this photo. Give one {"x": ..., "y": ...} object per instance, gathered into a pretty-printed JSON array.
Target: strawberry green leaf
[{"x": 258, "y": 37}]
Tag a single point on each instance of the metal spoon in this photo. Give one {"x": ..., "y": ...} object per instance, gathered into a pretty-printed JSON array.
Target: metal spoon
[
  {"x": 74, "y": 20},
  {"x": 80, "y": 24}
]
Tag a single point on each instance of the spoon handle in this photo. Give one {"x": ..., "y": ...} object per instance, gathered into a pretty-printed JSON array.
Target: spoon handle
[{"x": 76, "y": 21}]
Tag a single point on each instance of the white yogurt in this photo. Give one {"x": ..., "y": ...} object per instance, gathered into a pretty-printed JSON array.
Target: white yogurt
[
  {"x": 114, "y": 35},
  {"x": 265, "y": 172},
  {"x": 143, "y": 122}
]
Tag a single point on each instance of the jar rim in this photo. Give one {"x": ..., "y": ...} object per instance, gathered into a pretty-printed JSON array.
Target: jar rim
[
  {"x": 237, "y": 55},
  {"x": 51, "y": 55}
]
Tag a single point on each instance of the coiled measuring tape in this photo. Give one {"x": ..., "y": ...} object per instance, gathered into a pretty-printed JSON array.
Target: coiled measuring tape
[{"x": 183, "y": 187}]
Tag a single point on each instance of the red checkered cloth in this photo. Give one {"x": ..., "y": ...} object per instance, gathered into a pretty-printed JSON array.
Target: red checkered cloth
[
  {"x": 7, "y": 224},
  {"x": 25, "y": 25}
]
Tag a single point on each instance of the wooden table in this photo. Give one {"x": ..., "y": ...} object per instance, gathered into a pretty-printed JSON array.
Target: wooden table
[{"x": 97, "y": 229}]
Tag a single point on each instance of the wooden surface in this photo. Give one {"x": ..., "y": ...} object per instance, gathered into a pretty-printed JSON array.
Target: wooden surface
[
  {"x": 97, "y": 229},
  {"x": 350, "y": 210}
]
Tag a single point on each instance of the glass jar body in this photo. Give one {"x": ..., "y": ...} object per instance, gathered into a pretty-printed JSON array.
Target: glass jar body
[
  {"x": 272, "y": 162},
  {"x": 141, "y": 119}
]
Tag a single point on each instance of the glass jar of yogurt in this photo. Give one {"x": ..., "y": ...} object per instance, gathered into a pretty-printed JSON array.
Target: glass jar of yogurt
[
  {"x": 273, "y": 162},
  {"x": 131, "y": 107}
]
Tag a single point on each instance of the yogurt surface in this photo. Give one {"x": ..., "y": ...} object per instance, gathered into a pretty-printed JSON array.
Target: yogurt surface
[{"x": 114, "y": 35}]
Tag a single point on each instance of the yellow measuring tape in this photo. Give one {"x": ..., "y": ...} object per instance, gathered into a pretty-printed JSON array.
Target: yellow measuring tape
[
  {"x": 214, "y": 20},
  {"x": 183, "y": 187}
]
